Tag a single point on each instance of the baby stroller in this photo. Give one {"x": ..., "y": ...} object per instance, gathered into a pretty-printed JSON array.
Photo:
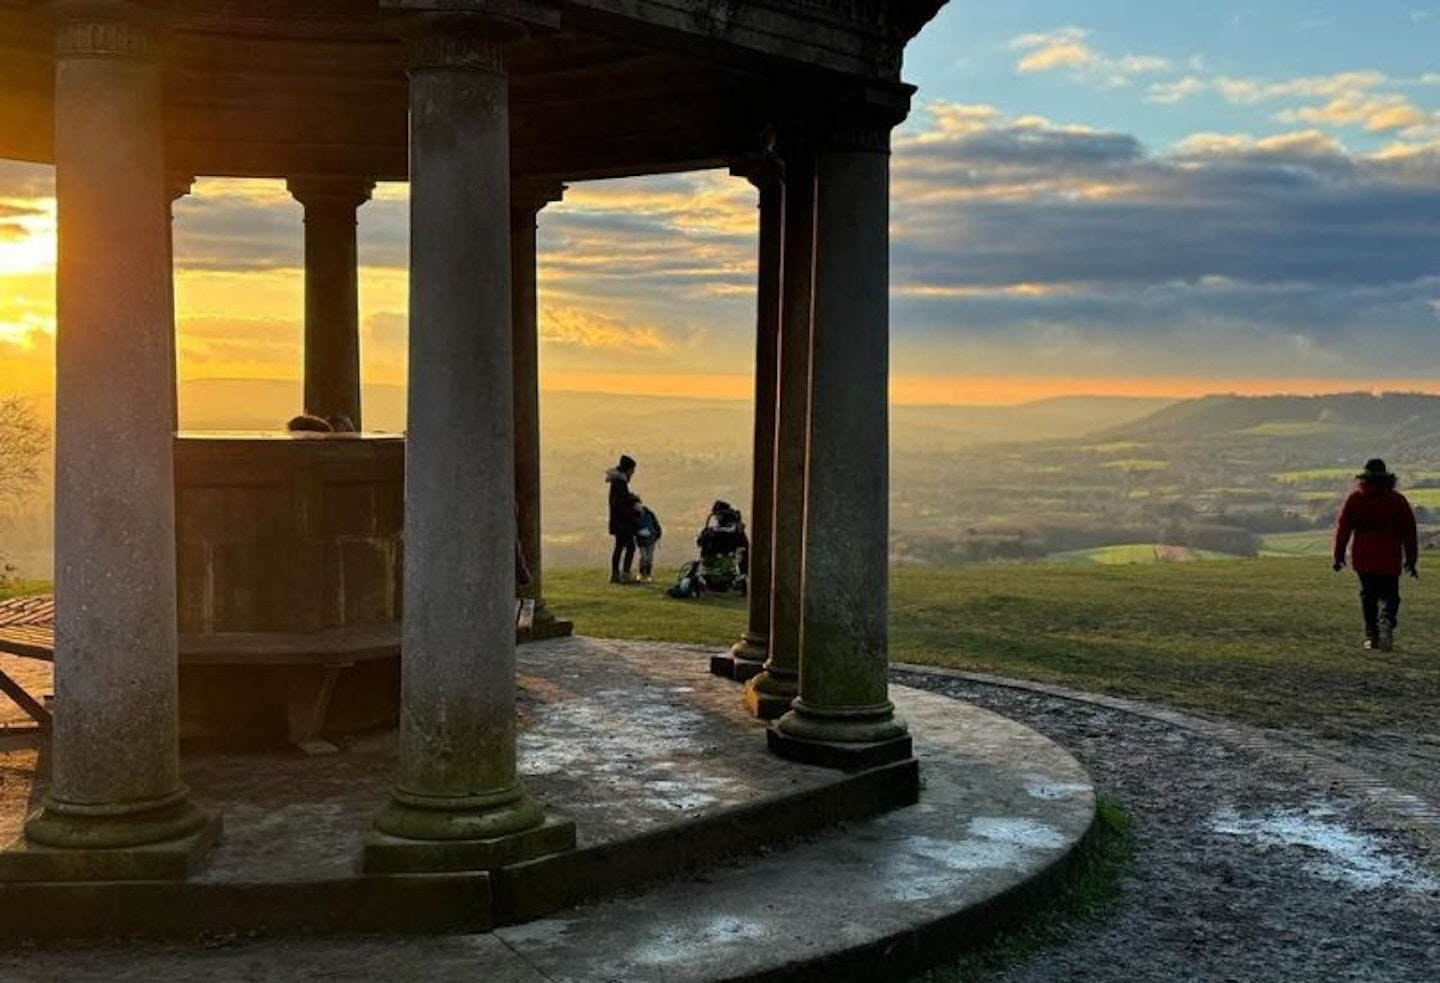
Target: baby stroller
[{"x": 723, "y": 563}]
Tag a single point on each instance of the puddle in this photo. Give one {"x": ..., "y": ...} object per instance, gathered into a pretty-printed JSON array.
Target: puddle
[
  {"x": 680, "y": 945},
  {"x": 1337, "y": 854}
]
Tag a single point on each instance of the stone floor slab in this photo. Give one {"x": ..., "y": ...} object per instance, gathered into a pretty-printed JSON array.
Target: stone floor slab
[{"x": 630, "y": 740}]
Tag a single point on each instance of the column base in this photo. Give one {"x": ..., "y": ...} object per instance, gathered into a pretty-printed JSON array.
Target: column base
[
  {"x": 752, "y": 647},
  {"x": 848, "y": 738},
  {"x": 544, "y": 625},
  {"x": 172, "y": 859},
  {"x": 427, "y": 833},
  {"x": 386, "y": 854},
  {"x": 860, "y": 756},
  {"x": 769, "y": 696},
  {"x": 77, "y": 826},
  {"x": 729, "y": 667}
]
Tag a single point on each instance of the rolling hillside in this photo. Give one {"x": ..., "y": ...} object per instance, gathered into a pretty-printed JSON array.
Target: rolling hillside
[{"x": 1404, "y": 420}]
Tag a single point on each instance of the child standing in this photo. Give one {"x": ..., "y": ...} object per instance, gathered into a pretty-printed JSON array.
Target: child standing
[{"x": 647, "y": 537}]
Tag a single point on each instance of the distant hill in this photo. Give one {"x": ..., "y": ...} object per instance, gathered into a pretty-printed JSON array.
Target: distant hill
[
  {"x": 1403, "y": 414},
  {"x": 1046, "y": 419},
  {"x": 607, "y": 418}
]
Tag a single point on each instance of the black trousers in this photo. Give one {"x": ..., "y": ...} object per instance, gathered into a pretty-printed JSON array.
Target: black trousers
[
  {"x": 624, "y": 551},
  {"x": 1379, "y": 597}
]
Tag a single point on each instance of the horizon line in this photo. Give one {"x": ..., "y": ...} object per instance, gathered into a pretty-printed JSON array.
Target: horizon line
[{"x": 923, "y": 391}]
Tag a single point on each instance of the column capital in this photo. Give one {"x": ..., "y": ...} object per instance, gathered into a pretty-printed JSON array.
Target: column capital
[
  {"x": 107, "y": 28},
  {"x": 440, "y": 37},
  {"x": 529, "y": 196},
  {"x": 177, "y": 186},
  {"x": 765, "y": 170},
  {"x": 339, "y": 192},
  {"x": 857, "y": 118}
]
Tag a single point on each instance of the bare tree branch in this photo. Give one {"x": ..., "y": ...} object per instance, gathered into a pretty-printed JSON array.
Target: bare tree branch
[{"x": 23, "y": 439}]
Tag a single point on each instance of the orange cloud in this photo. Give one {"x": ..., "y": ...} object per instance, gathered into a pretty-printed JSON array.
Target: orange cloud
[
  {"x": 261, "y": 347},
  {"x": 579, "y": 328}
]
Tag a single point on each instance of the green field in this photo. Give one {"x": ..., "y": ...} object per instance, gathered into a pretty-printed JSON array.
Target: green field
[
  {"x": 1272, "y": 641},
  {"x": 1340, "y": 476},
  {"x": 1315, "y": 542},
  {"x": 1137, "y": 553},
  {"x": 1428, "y": 497},
  {"x": 1286, "y": 429}
]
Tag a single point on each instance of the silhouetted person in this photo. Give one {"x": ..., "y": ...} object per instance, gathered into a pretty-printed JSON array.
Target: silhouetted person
[
  {"x": 1381, "y": 524},
  {"x": 622, "y": 519}
]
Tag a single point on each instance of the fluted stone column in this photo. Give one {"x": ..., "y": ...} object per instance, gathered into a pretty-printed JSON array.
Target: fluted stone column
[
  {"x": 843, "y": 716},
  {"x": 458, "y": 802},
  {"x": 332, "y": 293},
  {"x": 115, "y": 772},
  {"x": 525, "y": 204},
  {"x": 746, "y": 657},
  {"x": 769, "y": 694}
]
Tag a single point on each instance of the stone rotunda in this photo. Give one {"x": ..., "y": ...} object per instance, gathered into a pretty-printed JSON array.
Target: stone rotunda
[{"x": 487, "y": 108}]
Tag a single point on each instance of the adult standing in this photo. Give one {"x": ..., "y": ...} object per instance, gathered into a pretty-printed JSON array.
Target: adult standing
[
  {"x": 1381, "y": 524},
  {"x": 623, "y": 522}
]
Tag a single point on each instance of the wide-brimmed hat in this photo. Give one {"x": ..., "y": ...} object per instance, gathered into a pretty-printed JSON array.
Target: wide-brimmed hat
[{"x": 1375, "y": 470}]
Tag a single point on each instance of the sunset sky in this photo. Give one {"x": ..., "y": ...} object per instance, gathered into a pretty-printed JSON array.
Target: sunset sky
[{"x": 1109, "y": 196}]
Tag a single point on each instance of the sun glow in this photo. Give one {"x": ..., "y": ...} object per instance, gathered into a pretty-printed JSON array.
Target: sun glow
[{"x": 27, "y": 235}]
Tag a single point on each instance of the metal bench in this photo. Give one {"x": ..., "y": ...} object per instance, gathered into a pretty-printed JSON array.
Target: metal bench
[{"x": 27, "y": 629}]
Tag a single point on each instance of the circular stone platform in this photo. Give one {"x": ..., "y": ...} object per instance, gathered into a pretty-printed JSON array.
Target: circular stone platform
[{"x": 664, "y": 773}]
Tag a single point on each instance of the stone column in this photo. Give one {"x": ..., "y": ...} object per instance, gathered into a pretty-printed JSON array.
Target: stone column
[
  {"x": 115, "y": 780},
  {"x": 332, "y": 293},
  {"x": 458, "y": 803},
  {"x": 843, "y": 716},
  {"x": 525, "y": 205},
  {"x": 769, "y": 694},
  {"x": 746, "y": 657}
]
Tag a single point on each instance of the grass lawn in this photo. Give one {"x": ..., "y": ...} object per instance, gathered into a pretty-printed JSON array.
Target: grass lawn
[
  {"x": 1316, "y": 542},
  {"x": 22, "y": 588},
  {"x": 1428, "y": 497},
  {"x": 1271, "y": 641}
]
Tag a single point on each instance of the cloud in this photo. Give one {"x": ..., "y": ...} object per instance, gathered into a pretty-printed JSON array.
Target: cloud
[
  {"x": 13, "y": 228},
  {"x": 1062, "y": 48},
  {"x": 1179, "y": 90},
  {"x": 1368, "y": 99},
  {"x": 238, "y": 226},
  {"x": 1077, "y": 249},
  {"x": 562, "y": 326},
  {"x": 1066, "y": 49},
  {"x": 211, "y": 343},
  {"x": 21, "y": 180},
  {"x": 690, "y": 238}
]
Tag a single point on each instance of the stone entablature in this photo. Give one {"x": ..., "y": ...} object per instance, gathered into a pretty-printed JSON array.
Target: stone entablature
[{"x": 600, "y": 88}]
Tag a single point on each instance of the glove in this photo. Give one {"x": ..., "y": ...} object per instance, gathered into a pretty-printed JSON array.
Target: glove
[
  {"x": 1410, "y": 569},
  {"x": 1338, "y": 565}
]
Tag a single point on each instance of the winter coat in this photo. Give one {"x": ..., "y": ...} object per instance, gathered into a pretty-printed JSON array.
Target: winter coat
[
  {"x": 647, "y": 526},
  {"x": 1382, "y": 524},
  {"x": 622, "y": 503}
]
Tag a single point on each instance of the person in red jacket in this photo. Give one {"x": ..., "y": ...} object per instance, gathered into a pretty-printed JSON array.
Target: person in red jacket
[{"x": 1381, "y": 524}]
